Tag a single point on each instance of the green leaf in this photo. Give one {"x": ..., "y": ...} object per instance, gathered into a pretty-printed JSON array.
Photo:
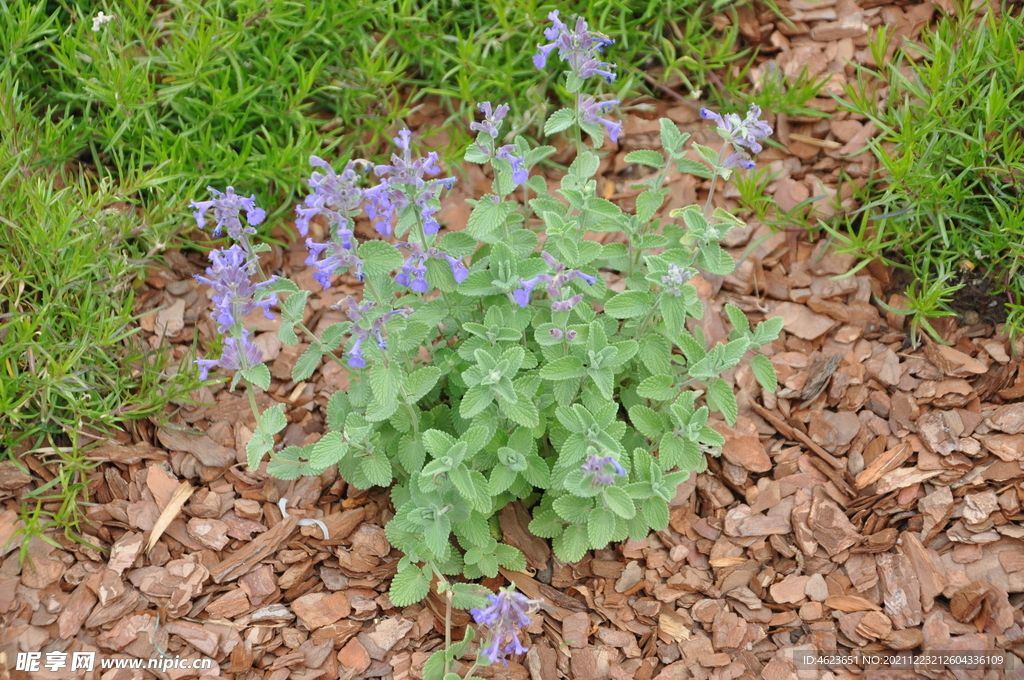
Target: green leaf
[
  {"x": 737, "y": 318},
  {"x": 474, "y": 401},
  {"x": 672, "y": 139},
  {"x": 510, "y": 557},
  {"x": 378, "y": 410},
  {"x": 764, "y": 371},
  {"x": 573, "y": 509},
  {"x": 258, "y": 375},
  {"x": 307, "y": 363},
  {"x": 409, "y": 586},
  {"x": 584, "y": 166},
  {"x": 459, "y": 476},
  {"x": 294, "y": 306},
  {"x": 328, "y": 451},
  {"x": 385, "y": 383},
  {"x": 501, "y": 479},
  {"x": 572, "y": 544},
  {"x": 523, "y": 411},
  {"x": 468, "y": 596},
  {"x": 379, "y": 257},
  {"x": 716, "y": 260},
  {"x": 768, "y": 330},
  {"x": 600, "y": 527},
  {"x": 648, "y": 203},
  {"x": 377, "y": 469},
  {"x": 646, "y": 157},
  {"x": 546, "y": 524},
  {"x": 559, "y": 121},
  {"x": 720, "y": 397},
  {"x": 655, "y": 511},
  {"x": 436, "y": 535},
  {"x": 419, "y": 382},
  {"x": 648, "y": 422},
  {"x": 619, "y": 501},
  {"x": 488, "y": 217},
  {"x": 710, "y": 156},
  {"x": 691, "y": 167},
  {"x": 564, "y": 368},
  {"x": 657, "y": 387},
  {"x": 628, "y": 305}
]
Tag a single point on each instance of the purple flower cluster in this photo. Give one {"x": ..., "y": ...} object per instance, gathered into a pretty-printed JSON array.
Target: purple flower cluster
[
  {"x": 508, "y": 612},
  {"x": 230, "y": 277},
  {"x": 577, "y": 47},
  {"x": 226, "y": 207},
  {"x": 403, "y": 184},
  {"x": 336, "y": 197},
  {"x": 490, "y": 126},
  {"x": 591, "y": 111},
  {"x": 554, "y": 285},
  {"x": 236, "y": 354},
  {"x": 674, "y": 280},
  {"x": 558, "y": 334},
  {"x": 356, "y": 313},
  {"x": 414, "y": 272},
  {"x": 595, "y": 469},
  {"x": 742, "y": 132}
]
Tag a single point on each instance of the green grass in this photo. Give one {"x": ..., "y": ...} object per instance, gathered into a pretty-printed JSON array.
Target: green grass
[{"x": 952, "y": 153}]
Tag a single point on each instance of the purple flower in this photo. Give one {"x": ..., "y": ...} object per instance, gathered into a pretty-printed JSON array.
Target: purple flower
[
  {"x": 508, "y": 612},
  {"x": 403, "y": 184},
  {"x": 595, "y": 469},
  {"x": 356, "y": 313},
  {"x": 591, "y": 111},
  {"x": 674, "y": 280},
  {"x": 340, "y": 257},
  {"x": 413, "y": 273},
  {"x": 334, "y": 196},
  {"x": 745, "y": 132},
  {"x": 233, "y": 290},
  {"x": 554, "y": 285},
  {"x": 226, "y": 208},
  {"x": 577, "y": 47},
  {"x": 492, "y": 121},
  {"x": 230, "y": 358},
  {"x": 519, "y": 173}
]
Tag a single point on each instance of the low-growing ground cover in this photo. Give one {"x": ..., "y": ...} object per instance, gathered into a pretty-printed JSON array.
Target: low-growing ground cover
[{"x": 873, "y": 502}]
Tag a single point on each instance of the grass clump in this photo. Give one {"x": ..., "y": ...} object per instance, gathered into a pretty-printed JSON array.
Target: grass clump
[{"x": 952, "y": 151}]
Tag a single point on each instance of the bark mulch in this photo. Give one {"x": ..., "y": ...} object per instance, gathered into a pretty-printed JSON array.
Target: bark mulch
[{"x": 873, "y": 502}]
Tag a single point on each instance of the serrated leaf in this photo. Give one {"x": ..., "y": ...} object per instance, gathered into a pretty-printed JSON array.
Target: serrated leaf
[
  {"x": 646, "y": 157},
  {"x": 710, "y": 156},
  {"x": 559, "y": 121},
  {"x": 546, "y": 524},
  {"x": 436, "y": 535},
  {"x": 510, "y": 557},
  {"x": 647, "y": 421},
  {"x": 563, "y": 368},
  {"x": 655, "y": 512},
  {"x": 628, "y": 305},
  {"x": 572, "y": 544},
  {"x": 619, "y": 501},
  {"x": 657, "y": 387},
  {"x": 672, "y": 139},
  {"x": 737, "y": 318},
  {"x": 648, "y": 203},
  {"x": 720, "y": 397},
  {"x": 523, "y": 411},
  {"x": 377, "y": 469},
  {"x": 573, "y": 509},
  {"x": 379, "y": 257},
  {"x": 768, "y": 330},
  {"x": 419, "y": 382},
  {"x": 489, "y": 215},
  {"x": 328, "y": 451},
  {"x": 474, "y": 401},
  {"x": 600, "y": 527},
  {"x": 306, "y": 364},
  {"x": 378, "y": 410},
  {"x": 409, "y": 586},
  {"x": 764, "y": 371},
  {"x": 258, "y": 375},
  {"x": 716, "y": 260},
  {"x": 468, "y": 596}
]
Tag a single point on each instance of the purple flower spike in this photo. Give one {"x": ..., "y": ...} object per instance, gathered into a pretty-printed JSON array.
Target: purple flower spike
[
  {"x": 232, "y": 355},
  {"x": 745, "y": 132},
  {"x": 595, "y": 470},
  {"x": 492, "y": 121},
  {"x": 335, "y": 196},
  {"x": 508, "y": 612},
  {"x": 591, "y": 111},
  {"x": 355, "y": 356},
  {"x": 233, "y": 291},
  {"x": 577, "y": 46},
  {"x": 674, "y": 280},
  {"x": 554, "y": 282},
  {"x": 403, "y": 184},
  {"x": 738, "y": 159},
  {"x": 226, "y": 207}
]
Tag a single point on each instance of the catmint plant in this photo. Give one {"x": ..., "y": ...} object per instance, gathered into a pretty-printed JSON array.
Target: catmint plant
[{"x": 489, "y": 367}]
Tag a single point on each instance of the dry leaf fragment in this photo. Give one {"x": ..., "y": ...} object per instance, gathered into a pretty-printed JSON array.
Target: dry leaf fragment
[{"x": 174, "y": 506}]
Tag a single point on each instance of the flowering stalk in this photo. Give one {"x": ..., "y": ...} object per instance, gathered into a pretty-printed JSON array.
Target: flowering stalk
[{"x": 506, "y": 615}]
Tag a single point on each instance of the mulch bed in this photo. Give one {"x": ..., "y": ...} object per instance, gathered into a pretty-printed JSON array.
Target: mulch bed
[{"x": 873, "y": 502}]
